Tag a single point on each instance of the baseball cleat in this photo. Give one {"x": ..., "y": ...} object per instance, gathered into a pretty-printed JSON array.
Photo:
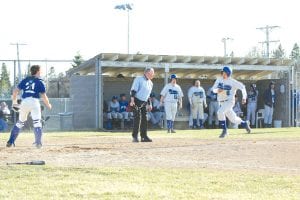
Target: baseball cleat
[
  {"x": 247, "y": 127},
  {"x": 146, "y": 139},
  {"x": 173, "y": 131},
  {"x": 135, "y": 140},
  {"x": 223, "y": 134},
  {"x": 169, "y": 131},
  {"x": 8, "y": 144}
]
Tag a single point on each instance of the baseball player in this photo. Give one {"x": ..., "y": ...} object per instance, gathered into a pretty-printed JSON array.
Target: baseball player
[
  {"x": 156, "y": 115},
  {"x": 252, "y": 104},
  {"x": 124, "y": 110},
  {"x": 171, "y": 95},
  {"x": 213, "y": 107},
  {"x": 113, "y": 110},
  {"x": 197, "y": 99},
  {"x": 270, "y": 102},
  {"x": 226, "y": 88},
  {"x": 33, "y": 88}
]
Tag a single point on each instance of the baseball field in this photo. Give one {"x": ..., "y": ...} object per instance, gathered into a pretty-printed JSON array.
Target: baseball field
[{"x": 190, "y": 164}]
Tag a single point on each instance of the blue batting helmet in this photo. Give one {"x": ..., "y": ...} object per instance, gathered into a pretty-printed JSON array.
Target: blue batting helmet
[
  {"x": 227, "y": 70},
  {"x": 173, "y": 76},
  {"x": 114, "y": 97}
]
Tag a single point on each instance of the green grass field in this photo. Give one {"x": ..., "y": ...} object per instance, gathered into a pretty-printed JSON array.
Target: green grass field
[{"x": 52, "y": 182}]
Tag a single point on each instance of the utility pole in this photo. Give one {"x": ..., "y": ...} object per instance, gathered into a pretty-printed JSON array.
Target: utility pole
[
  {"x": 224, "y": 40},
  {"x": 18, "y": 59},
  {"x": 267, "y": 29}
]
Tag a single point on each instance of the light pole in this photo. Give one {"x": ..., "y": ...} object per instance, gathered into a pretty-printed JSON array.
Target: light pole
[
  {"x": 224, "y": 40},
  {"x": 127, "y": 7},
  {"x": 18, "y": 59}
]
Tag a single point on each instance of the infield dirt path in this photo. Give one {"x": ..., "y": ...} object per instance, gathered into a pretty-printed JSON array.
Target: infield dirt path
[{"x": 276, "y": 155}]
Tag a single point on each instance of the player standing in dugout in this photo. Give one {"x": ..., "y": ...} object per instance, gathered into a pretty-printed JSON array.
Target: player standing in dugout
[
  {"x": 140, "y": 92},
  {"x": 226, "y": 88},
  {"x": 197, "y": 100},
  {"x": 171, "y": 96},
  {"x": 33, "y": 88}
]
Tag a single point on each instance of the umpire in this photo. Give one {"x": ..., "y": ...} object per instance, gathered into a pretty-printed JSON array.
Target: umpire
[{"x": 140, "y": 93}]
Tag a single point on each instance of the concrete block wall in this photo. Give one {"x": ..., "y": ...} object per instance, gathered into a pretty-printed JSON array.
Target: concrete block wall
[{"x": 82, "y": 92}]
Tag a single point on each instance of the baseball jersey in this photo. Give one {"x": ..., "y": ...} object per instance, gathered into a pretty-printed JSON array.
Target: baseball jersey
[
  {"x": 123, "y": 106},
  {"x": 212, "y": 95},
  {"x": 32, "y": 87},
  {"x": 197, "y": 94},
  {"x": 252, "y": 96},
  {"x": 113, "y": 106},
  {"x": 143, "y": 87},
  {"x": 172, "y": 93},
  {"x": 229, "y": 87},
  {"x": 273, "y": 95}
]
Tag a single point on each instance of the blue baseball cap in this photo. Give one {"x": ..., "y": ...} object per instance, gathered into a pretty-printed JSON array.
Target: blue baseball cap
[
  {"x": 173, "y": 76},
  {"x": 227, "y": 70}
]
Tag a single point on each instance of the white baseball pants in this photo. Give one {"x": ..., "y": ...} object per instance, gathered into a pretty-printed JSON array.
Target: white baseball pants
[{"x": 170, "y": 110}]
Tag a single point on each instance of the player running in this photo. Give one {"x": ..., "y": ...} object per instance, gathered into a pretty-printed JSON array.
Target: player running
[
  {"x": 226, "y": 88},
  {"x": 171, "y": 95},
  {"x": 33, "y": 88}
]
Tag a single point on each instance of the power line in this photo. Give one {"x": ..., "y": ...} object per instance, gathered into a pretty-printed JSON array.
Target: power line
[
  {"x": 267, "y": 29},
  {"x": 18, "y": 59}
]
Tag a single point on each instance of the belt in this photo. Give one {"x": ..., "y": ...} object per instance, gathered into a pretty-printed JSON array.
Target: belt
[
  {"x": 142, "y": 103},
  {"x": 224, "y": 101}
]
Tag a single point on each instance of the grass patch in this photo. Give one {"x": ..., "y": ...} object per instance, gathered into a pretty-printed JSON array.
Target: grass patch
[{"x": 46, "y": 182}]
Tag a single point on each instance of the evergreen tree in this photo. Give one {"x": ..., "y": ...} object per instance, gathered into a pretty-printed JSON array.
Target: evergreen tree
[
  {"x": 279, "y": 52},
  {"x": 254, "y": 53},
  {"x": 5, "y": 85},
  {"x": 77, "y": 60},
  {"x": 295, "y": 54},
  {"x": 52, "y": 73}
]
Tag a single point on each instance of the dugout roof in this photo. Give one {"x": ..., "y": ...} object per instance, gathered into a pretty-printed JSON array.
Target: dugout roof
[{"x": 203, "y": 67}]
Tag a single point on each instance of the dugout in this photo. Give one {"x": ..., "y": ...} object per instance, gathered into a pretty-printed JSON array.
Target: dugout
[{"x": 108, "y": 74}]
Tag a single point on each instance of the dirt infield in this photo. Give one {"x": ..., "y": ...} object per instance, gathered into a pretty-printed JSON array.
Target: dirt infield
[{"x": 275, "y": 155}]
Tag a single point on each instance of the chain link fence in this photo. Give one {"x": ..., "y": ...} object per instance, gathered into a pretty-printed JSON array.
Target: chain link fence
[
  {"x": 297, "y": 100},
  {"x": 59, "y": 118}
]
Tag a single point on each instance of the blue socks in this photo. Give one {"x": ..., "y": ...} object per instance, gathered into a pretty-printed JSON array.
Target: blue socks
[
  {"x": 222, "y": 124},
  {"x": 200, "y": 123},
  {"x": 38, "y": 135},
  {"x": 194, "y": 123},
  {"x": 13, "y": 135},
  {"x": 243, "y": 124},
  {"x": 169, "y": 124}
]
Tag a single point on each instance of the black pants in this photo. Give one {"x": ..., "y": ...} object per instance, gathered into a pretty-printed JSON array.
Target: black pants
[{"x": 139, "y": 118}]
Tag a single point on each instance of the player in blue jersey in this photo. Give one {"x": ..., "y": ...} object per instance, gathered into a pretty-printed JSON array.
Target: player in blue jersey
[
  {"x": 124, "y": 110},
  {"x": 32, "y": 89}
]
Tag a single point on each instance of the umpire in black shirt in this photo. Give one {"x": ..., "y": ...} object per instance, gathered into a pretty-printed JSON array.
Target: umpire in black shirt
[{"x": 140, "y": 93}]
